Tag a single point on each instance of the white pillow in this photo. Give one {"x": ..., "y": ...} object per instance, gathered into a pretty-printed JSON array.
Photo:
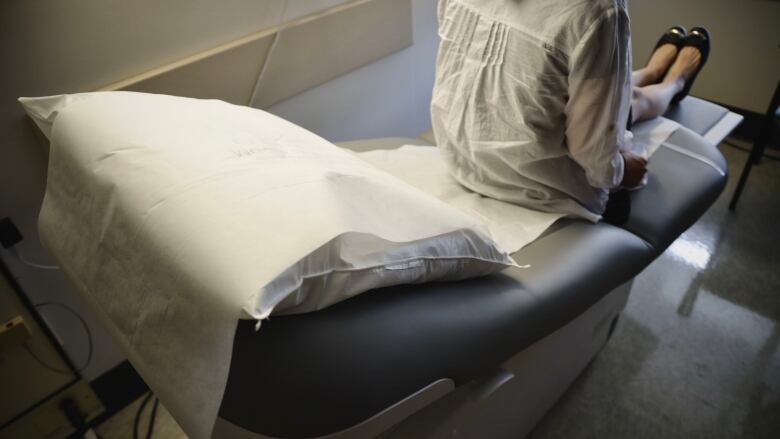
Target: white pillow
[{"x": 225, "y": 205}]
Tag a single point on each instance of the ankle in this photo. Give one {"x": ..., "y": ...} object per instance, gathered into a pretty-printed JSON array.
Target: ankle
[
  {"x": 656, "y": 74},
  {"x": 651, "y": 75},
  {"x": 677, "y": 82},
  {"x": 660, "y": 62}
]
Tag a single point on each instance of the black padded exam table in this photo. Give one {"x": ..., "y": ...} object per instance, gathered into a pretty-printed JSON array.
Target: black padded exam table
[{"x": 478, "y": 358}]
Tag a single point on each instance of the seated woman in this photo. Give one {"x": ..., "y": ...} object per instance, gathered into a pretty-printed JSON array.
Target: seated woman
[{"x": 533, "y": 98}]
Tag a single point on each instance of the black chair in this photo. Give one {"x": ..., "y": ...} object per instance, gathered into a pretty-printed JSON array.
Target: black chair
[{"x": 771, "y": 121}]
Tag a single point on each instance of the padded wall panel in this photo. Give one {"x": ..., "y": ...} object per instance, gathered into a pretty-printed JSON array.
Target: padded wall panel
[
  {"x": 229, "y": 75},
  {"x": 327, "y": 45},
  {"x": 298, "y": 55}
]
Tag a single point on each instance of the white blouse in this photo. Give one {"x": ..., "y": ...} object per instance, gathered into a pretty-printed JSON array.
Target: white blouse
[{"x": 531, "y": 100}]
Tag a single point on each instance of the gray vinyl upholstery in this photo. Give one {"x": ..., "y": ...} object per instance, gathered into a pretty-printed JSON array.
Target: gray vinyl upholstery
[
  {"x": 680, "y": 189},
  {"x": 696, "y": 114},
  {"x": 318, "y": 373},
  {"x": 314, "y": 374}
]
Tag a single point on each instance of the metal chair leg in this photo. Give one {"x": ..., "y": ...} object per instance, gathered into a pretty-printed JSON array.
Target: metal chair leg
[
  {"x": 754, "y": 155},
  {"x": 764, "y": 136}
]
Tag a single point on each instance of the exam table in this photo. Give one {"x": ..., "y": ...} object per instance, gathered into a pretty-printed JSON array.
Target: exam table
[{"x": 479, "y": 358}]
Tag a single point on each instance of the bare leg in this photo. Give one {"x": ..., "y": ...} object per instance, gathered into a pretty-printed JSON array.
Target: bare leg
[
  {"x": 653, "y": 100},
  {"x": 656, "y": 67}
]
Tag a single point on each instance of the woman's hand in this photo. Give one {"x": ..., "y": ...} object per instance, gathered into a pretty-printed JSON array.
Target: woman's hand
[{"x": 634, "y": 170}]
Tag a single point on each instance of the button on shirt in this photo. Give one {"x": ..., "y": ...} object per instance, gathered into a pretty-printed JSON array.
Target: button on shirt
[{"x": 531, "y": 100}]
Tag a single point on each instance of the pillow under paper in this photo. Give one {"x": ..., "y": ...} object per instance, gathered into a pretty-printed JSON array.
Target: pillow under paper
[{"x": 148, "y": 193}]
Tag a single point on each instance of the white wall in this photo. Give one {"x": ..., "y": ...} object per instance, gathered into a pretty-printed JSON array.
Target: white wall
[
  {"x": 388, "y": 98},
  {"x": 54, "y": 46},
  {"x": 744, "y": 64}
]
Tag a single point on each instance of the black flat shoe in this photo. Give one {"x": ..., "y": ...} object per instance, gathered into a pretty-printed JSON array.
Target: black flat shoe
[
  {"x": 675, "y": 35},
  {"x": 700, "y": 39}
]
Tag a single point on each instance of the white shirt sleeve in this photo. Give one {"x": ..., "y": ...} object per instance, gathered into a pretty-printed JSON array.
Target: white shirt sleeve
[{"x": 599, "y": 98}]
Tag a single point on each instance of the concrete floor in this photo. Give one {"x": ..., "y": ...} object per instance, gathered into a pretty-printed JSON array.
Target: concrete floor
[{"x": 695, "y": 354}]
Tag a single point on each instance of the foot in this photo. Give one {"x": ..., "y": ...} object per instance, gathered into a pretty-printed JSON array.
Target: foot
[
  {"x": 684, "y": 67},
  {"x": 659, "y": 63}
]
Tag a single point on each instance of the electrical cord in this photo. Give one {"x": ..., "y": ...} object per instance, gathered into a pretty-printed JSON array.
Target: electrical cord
[
  {"x": 25, "y": 261},
  {"x": 766, "y": 155},
  {"x": 138, "y": 414},
  {"x": 152, "y": 416},
  {"x": 152, "y": 419},
  {"x": 88, "y": 333}
]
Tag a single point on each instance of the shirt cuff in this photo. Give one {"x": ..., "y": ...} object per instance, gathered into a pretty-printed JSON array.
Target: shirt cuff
[{"x": 619, "y": 164}]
